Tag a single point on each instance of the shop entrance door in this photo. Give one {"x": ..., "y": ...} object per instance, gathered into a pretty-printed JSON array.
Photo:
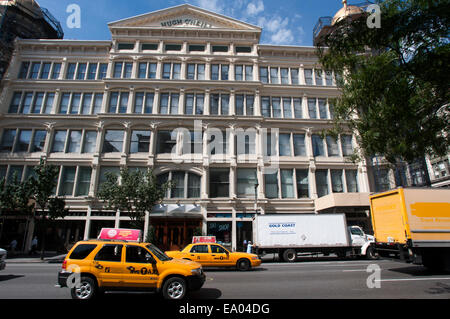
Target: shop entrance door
[{"x": 244, "y": 234}]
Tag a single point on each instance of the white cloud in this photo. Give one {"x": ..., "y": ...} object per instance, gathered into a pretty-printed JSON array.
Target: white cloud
[
  {"x": 212, "y": 5},
  {"x": 253, "y": 8}
]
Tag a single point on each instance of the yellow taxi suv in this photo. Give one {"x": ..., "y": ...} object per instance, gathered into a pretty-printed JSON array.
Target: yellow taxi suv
[
  {"x": 215, "y": 255},
  {"x": 93, "y": 267}
]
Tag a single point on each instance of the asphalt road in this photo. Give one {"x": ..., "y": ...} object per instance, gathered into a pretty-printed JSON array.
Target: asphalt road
[{"x": 350, "y": 279}]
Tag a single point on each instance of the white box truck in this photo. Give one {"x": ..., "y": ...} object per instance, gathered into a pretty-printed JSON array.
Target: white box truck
[{"x": 290, "y": 234}]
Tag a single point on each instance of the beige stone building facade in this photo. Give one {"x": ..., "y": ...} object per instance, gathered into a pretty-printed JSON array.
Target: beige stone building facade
[{"x": 193, "y": 95}]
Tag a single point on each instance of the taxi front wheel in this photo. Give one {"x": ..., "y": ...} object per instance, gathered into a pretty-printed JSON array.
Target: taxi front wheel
[
  {"x": 174, "y": 288},
  {"x": 243, "y": 264}
]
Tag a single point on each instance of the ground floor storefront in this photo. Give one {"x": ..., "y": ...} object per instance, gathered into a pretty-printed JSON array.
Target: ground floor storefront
[{"x": 233, "y": 230}]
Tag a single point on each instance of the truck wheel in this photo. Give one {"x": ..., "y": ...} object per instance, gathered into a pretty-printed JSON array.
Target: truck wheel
[
  {"x": 290, "y": 255},
  {"x": 174, "y": 288},
  {"x": 243, "y": 264},
  {"x": 371, "y": 254},
  {"x": 87, "y": 289}
]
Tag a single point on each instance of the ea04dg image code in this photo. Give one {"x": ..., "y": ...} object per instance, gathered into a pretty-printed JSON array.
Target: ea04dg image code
[{"x": 246, "y": 309}]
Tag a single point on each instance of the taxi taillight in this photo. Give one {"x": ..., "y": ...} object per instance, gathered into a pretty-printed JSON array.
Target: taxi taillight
[{"x": 64, "y": 265}]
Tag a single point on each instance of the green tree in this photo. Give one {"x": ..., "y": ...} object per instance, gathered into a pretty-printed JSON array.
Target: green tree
[
  {"x": 135, "y": 193},
  {"x": 48, "y": 206},
  {"x": 395, "y": 83}
]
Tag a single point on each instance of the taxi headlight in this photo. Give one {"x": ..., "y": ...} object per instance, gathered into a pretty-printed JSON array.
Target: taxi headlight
[
  {"x": 197, "y": 271},
  {"x": 255, "y": 258}
]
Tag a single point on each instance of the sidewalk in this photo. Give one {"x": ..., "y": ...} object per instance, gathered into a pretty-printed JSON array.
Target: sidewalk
[{"x": 49, "y": 257}]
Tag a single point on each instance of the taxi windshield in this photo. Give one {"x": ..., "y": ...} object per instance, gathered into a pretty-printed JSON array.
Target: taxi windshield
[{"x": 158, "y": 253}]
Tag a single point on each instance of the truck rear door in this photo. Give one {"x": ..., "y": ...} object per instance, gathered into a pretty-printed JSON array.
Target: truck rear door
[{"x": 389, "y": 217}]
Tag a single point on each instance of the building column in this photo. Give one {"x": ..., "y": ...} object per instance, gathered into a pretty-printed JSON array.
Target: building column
[{"x": 88, "y": 223}]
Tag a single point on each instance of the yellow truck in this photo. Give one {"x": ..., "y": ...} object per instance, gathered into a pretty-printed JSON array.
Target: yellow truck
[{"x": 413, "y": 224}]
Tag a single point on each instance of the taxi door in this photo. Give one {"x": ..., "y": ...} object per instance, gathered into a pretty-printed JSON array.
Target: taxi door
[
  {"x": 219, "y": 256},
  {"x": 200, "y": 253},
  {"x": 140, "y": 268},
  {"x": 108, "y": 265}
]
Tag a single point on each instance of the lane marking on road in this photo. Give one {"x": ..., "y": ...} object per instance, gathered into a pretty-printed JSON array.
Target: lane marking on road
[{"x": 414, "y": 279}]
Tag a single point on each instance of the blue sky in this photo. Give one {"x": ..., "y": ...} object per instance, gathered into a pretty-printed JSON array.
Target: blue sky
[{"x": 287, "y": 22}]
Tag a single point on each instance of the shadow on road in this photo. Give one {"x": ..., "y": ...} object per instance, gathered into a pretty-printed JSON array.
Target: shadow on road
[
  {"x": 204, "y": 293},
  {"x": 9, "y": 277},
  {"x": 418, "y": 271}
]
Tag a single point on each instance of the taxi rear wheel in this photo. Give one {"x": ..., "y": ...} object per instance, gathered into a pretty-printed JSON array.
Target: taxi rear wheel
[
  {"x": 243, "y": 264},
  {"x": 86, "y": 290},
  {"x": 174, "y": 288}
]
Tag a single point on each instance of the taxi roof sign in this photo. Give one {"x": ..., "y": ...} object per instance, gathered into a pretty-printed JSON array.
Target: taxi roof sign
[
  {"x": 204, "y": 239},
  {"x": 132, "y": 235}
]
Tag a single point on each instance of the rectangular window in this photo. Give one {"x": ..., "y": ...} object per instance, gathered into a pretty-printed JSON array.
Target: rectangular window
[
  {"x": 323, "y": 108},
  {"x": 312, "y": 108},
  {"x": 271, "y": 185},
  {"x": 56, "y": 71},
  {"x": 113, "y": 142},
  {"x": 347, "y": 145},
  {"x": 118, "y": 70},
  {"x": 249, "y": 105},
  {"x": 287, "y": 107},
  {"x": 319, "y": 77},
  {"x": 249, "y": 73},
  {"x": 299, "y": 145},
  {"x": 329, "y": 78},
  {"x": 103, "y": 71},
  {"x": 98, "y": 101},
  {"x": 284, "y": 75},
  {"x": 140, "y": 142},
  {"x": 219, "y": 48},
  {"x": 64, "y": 103},
  {"x": 152, "y": 70},
  {"x": 128, "y": 70},
  {"x": 294, "y": 77},
  {"x": 74, "y": 142},
  {"x": 164, "y": 143},
  {"x": 298, "y": 112},
  {"x": 81, "y": 72},
  {"x": 264, "y": 74},
  {"x": 149, "y": 46},
  {"x": 239, "y": 72},
  {"x": 37, "y": 103},
  {"x": 38, "y": 141},
  {"x": 123, "y": 105},
  {"x": 265, "y": 106},
  {"x": 196, "y": 48},
  {"x": 219, "y": 182},
  {"x": 308, "y": 77},
  {"x": 35, "y": 67},
  {"x": 167, "y": 69},
  {"x": 317, "y": 144},
  {"x": 352, "y": 181},
  {"x": 322, "y": 182},
  {"x": 86, "y": 103},
  {"x": 241, "y": 49},
  {"x": 174, "y": 102},
  {"x": 177, "y": 190},
  {"x": 332, "y": 146},
  {"x": 24, "y": 68},
  {"x": 92, "y": 71},
  {"x": 173, "y": 47},
  {"x": 246, "y": 181},
  {"x": 59, "y": 141},
  {"x": 190, "y": 75},
  {"x": 302, "y": 183},
  {"x": 239, "y": 102},
  {"x": 84, "y": 181},
  {"x": 45, "y": 71},
  {"x": 90, "y": 141},
  {"x": 336, "y": 181},
  {"x": 26, "y": 104},
  {"x": 15, "y": 102},
  {"x": 23, "y": 141},
  {"x": 285, "y": 145},
  {"x": 75, "y": 104},
  {"x": 67, "y": 181},
  {"x": 125, "y": 46},
  {"x": 48, "y": 104},
  {"x": 113, "y": 100},
  {"x": 287, "y": 183},
  {"x": 71, "y": 68},
  {"x": 274, "y": 76},
  {"x": 194, "y": 184},
  {"x": 8, "y": 140},
  {"x": 224, "y": 72},
  {"x": 276, "y": 107}
]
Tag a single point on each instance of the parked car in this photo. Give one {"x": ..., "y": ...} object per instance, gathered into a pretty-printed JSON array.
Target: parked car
[{"x": 2, "y": 259}]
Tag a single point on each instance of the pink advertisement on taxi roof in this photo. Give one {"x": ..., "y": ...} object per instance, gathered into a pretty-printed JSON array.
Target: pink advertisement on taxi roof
[{"x": 120, "y": 234}]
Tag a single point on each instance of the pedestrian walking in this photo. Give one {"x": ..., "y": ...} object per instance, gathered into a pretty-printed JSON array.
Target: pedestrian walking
[
  {"x": 34, "y": 245},
  {"x": 13, "y": 246},
  {"x": 249, "y": 247}
]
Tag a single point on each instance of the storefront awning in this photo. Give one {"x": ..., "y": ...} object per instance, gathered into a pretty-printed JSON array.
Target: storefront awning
[{"x": 177, "y": 210}]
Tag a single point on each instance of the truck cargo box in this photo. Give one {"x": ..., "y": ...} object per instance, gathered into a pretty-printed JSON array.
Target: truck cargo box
[
  {"x": 300, "y": 230},
  {"x": 421, "y": 216}
]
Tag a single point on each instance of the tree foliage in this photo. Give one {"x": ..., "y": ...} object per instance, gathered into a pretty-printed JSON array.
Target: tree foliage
[
  {"x": 395, "y": 87},
  {"x": 135, "y": 192}
]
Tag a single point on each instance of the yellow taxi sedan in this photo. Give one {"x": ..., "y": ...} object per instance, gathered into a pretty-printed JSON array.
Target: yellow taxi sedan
[{"x": 215, "y": 255}]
